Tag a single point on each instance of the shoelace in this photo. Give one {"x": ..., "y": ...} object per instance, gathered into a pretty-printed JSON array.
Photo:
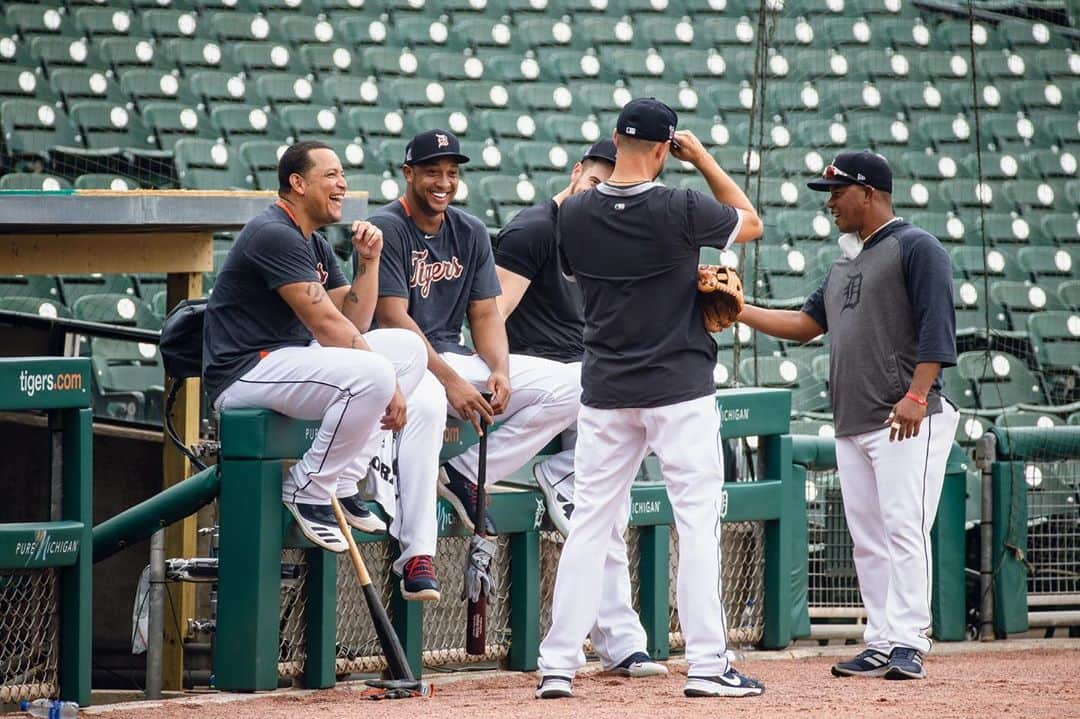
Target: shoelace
[
  {"x": 907, "y": 653},
  {"x": 420, "y": 567}
]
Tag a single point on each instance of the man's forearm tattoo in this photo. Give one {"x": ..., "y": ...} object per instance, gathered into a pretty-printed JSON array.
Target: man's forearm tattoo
[
  {"x": 315, "y": 292},
  {"x": 361, "y": 269},
  {"x": 353, "y": 297}
]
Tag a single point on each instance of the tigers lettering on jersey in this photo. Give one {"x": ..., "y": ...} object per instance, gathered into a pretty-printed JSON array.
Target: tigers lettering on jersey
[{"x": 424, "y": 274}]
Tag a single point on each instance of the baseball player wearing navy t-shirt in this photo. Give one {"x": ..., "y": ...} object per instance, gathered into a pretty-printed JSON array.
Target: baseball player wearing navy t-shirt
[
  {"x": 544, "y": 318},
  {"x": 284, "y": 331},
  {"x": 888, "y": 308},
  {"x": 632, "y": 246},
  {"x": 438, "y": 270}
]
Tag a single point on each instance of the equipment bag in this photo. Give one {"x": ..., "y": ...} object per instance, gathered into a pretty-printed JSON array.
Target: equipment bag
[{"x": 182, "y": 339}]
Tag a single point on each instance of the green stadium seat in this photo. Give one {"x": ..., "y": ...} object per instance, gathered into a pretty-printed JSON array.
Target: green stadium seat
[
  {"x": 1055, "y": 341},
  {"x": 1033, "y": 96},
  {"x": 288, "y": 89},
  {"x": 105, "y": 181},
  {"x": 850, "y": 32},
  {"x": 103, "y": 21},
  {"x": 119, "y": 53},
  {"x": 582, "y": 8},
  {"x": 197, "y": 53},
  {"x": 1015, "y": 418},
  {"x": 971, "y": 426},
  {"x": 681, "y": 97},
  {"x": 74, "y": 288},
  {"x": 425, "y": 32},
  {"x": 1032, "y": 194},
  {"x": 1072, "y": 192},
  {"x": 239, "y": 123},
  {"x": 230, "y": 26},
  {"x": 508, "y": 192},
  {"x": 486, "y": 156},
  {"x": 33, "y": 128},
  {"x": 1056, "y": 63},
  {"x": 573, "y": 129},
  {"x": 24, "y": 82},
  {"x": 1060, "y": 228},
  {"x": 790, "y": 98},
  {"x": 391, "y": 61},
  {"x": 54, "y": 52},
  {"x": 790, "y": 274},
  {"x": 260, "y": 157},
  {"x": 351, "y": 90},
  {"x": 1074, "y": 419},
  {"x": 314, "y": 122},
  {"x": 157, "y": 304},
  {"x": 558, "y": 97},
  {"x": 665, "y": 31},
  {"x": 453, "y": 120},
  {"x": 1020, "y": 300},
  {"x": 723, "y": 32},
  {"x": 947, "y": 227},
  {"x": 486, "y": 32},
  {"x": 40, "y": 306},
  {"x": 326, "y": 59},
  {"x": 807, "y": 393},
  {"x": 959, "y": 35},
  {"x": 33, "y": 181},
  {"x": 303, "y": 29},
  {"x": 1021, "y": 34},
  {"x": 129, "y": 378},
  {"x": 699, "y": 63},
  {"x": 1069, "y": 294},
  {"x": 144, "y": 85},
  {"x": 961, "y": 391},
  {"x": 535, "y": 156},
  {"x": 457, "y": 66},
  {"x": 74, "y": 84},
  {"x": 906, "y": 34},
  {"x": 1009, "y": 128},
  {"x": 170, "y": 121},
  {"x": 820, "y": 134},
  {"x": 215, "y": 89},
  {"x": 995, "y": 166},
  {"x": 1049, "y": 163},
  {"x": 970, "y": 304},
  {"x": 605, "y": 30},
  {"x": 778, "y": 66},
  {"x": 1001, "y": 380},
  {"x": 259, "y": 57},
  {"x": 812, "y": 427},
  {"x": 569, "y": 65},
  {"x": 799, "y": 225},
  {"x": 164, "y": 23},
  {"x": 377, "y": 122},
  {"x": 512, "y": 124},
  {"x": 31, "y": 20},
  {"x": 39, "y": 286},
  {"x": 485, "y": 94},
  {"x": 965, "y": 192},
  {"x": 380, "y": 188},
  {"x": 358, "y": 30},
  {"x": 1001, "y": 65},
  {"x": 936, "y": 65},
  {"x": 106, "y": 127},
  {"x": 779, "y": 192},
  {"x": 206, "y": 165},
  {"x": 631, "y": 63},
  {"x": 415, "y": 92},
  {"x": 542, "y": 32}
]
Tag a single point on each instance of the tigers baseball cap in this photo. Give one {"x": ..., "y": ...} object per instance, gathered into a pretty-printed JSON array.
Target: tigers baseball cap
[
  {"x": 646, "y": 118},
  {"x": 855, "y": 168},
  {"x": 432, "y": 145},
  {"x": 603, "y": 150}
]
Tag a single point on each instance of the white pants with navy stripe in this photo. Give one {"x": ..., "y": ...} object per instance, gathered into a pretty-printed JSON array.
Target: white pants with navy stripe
[
  {"x": 345, "y": 388},
  {"x": 891, "y": 492},
  {"x": 544, "y": 400},
  {"x": 611, "y": 445}
]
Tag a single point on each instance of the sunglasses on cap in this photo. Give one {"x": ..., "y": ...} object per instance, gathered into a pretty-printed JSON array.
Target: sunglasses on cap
[{"x": 833, "y": 171}]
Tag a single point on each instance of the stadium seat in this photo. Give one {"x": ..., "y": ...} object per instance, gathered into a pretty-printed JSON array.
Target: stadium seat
[
  {"x": 207, "y": 165},
  {"x": 1022, "y": 34},
  {"x": 1001, "y": 380},
  {"x": 796, "y": 226},
  {"x": 33, "y": 181},
  {"x": 41, "y": 306},
  {"x": 958, "y": 388},
  {"x": 553, "y": 31},
  {"x": 216, "y": 88},
  {"x": 348, "y": 90},
  {"x": 31, "y": 20},
  {"x": 105, "y": 181},
  {"x": 947, "y": 227},
  {"x": 119, "y": 53},
  {"x": 1020, "y": 300},
  {"x": 280, "y": 89},
  {"x": 450, "y": 119},
  {"x": 1015, "y": 418},
  {"x": 380, "y": 188},
  {"x": 509, "y": 193},
  {"x": 314, "y": 122},
  {"x": 485, "y": 32},
  {"x": 1048, "y": 164},
  {"x": 700, "y": 63},
  {"x": 959, "y": 35},
  {"x": 458, "y": 66},
  {"x": 512, "y": 124},
  {"x": 997, "y": 263},
  {"x": 260, "y": 159},
  {"x": 1055, "y": 341},
  {"x": 485, "y": 94},
  {"x": 165, "y": 23},
  {"x": 1060, "y": 228},
  {"x": 807, "y": 393},
  {"x": 198, "y": 53},
  {"x": 57, "y": 52},
  {"x": 106, "y": 127},
  {"x": 74, "y": 84},
  {"x": 1069, "y": 294},
  {"x": 1046, "y": 264},
  {"x": 723, "y": 32},
  {"x": 102, "y": 21},
  {"x": 326, "y": 59},
  {"x": 300, "y": 29},
  {"x": 790, "y": 274},
  {"x": 39, "y": 286},
  {"x": 375, "y": 122},
  {"x": 239, "y": 123},
  {"x": 606, "y": 30},
  {"x": 33, "y": 128},
  {"x": 669, "y": 30},
  {"x": 969, "y": 304}
]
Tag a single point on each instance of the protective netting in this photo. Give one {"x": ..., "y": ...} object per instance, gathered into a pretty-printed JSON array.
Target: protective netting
[
  {"x": 293, "y": 625},
  {"x": 29, "y": 634},
  {"x": 743, "y": 551},
  {"x": 1053, "y": 551},
  {"x": 357, "y": 645},
  {"x": 834, "y": 586}
]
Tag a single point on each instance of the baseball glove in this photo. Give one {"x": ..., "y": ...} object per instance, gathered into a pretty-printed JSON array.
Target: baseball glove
[{"x": 721, "y": 295}]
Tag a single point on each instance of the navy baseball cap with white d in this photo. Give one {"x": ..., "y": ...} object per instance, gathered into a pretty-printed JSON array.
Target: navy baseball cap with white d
[
  {"x": 646, "y": 118},
  {"x": 431, "y": 145},
  {"x": 855, "y": 168}
]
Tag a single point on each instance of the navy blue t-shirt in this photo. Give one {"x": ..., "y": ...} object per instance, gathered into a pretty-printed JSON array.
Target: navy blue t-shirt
[
  {"x": 549, "y": 320},
  {"x": 439, "y": 274},
  {"x": 245, "y": 314},
  {"x": 634, "y": 252}
]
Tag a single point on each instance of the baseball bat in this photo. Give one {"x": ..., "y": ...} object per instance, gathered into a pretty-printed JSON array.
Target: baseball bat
[
  {"x": 388, "y": 638},
  {"x": 476, "y": 621}
]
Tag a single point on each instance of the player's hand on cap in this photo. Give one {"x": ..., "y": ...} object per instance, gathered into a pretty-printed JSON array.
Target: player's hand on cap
[
  {"x": 366, "y": 240},
  {"x": 469, "y": 404},
  {"x": 499, "y": 387},
  {"x": 904, "y": 420},
  {"x": 394, "y": 417},
  {"x": 685, "y": 146}
]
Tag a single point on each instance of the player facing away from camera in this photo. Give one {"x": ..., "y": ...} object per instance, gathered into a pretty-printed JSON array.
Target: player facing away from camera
[
  {"x": 437, "y": 271},
  {"x": 632, "y": 246},
  {"x": 544, "y": 318},
  {"x": 285, "y": 331},
  {"x": 888, "y": 308}
]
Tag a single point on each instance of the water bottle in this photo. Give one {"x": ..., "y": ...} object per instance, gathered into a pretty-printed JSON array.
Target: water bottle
[{"x": 50, "y": 709}]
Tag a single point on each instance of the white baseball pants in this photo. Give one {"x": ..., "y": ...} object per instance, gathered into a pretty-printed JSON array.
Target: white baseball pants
[
  {"x": 891, "y": 492},
  {"x": 610, "y": 447},
  {"x": 544, "y": 400}
]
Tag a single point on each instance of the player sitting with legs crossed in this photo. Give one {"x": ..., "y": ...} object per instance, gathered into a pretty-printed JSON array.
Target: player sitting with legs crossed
[
  {"x": 438, "y": 269},
  {"x": 632, "y": 245},
  {"x": 888, "y": 308},
  {"x": 544, "y": 319}
]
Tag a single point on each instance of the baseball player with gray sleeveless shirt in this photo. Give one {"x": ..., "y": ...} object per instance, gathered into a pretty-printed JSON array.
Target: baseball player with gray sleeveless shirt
[
  {"x": 632, "y": 246},
  {"x": 888, "y": 308}
]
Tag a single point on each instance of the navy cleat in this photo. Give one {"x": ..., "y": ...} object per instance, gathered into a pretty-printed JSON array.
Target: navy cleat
[
  {"x": 729, "y": 684},
  {"x": 318, "y": 523},
  {"x": 905, "y": 663},
  {"x": 461, "y": 494},
  {"x": 639, "y": 664},
  {"x": 868, "y": 663},
  {"x": 358, "y": 516},
  {"x": 418, "y": 582}
]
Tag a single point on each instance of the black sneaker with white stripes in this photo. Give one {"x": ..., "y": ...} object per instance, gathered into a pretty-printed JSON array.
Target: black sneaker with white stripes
[
  {"x": 318, "y": 524},
  {"x": 867, "y": 663},
  {"x": 359, "y": 516},
  {"x": 728, "y": 684},
  {"x": 554, "y": 686},
  {"x": 905, "y": 663}
]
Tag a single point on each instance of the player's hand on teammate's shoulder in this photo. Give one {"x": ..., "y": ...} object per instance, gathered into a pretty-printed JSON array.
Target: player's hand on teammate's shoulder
[
  {"x": 367, "y": 240},
  {"x": 499, "y": 387},
  {"x": 468, "y": 402},
  {"x": 688, "y": 147}
]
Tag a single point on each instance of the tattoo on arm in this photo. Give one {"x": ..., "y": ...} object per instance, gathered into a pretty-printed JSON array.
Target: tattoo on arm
[
  {"x": 353, "y": 297},
  {"x": 357, "y": 342},
  {"x": 315, "y": 292},
  {"x": 361, "y": 269}
]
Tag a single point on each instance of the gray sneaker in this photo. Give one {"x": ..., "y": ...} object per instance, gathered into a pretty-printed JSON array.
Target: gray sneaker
[{"x": 558, "y": 496}]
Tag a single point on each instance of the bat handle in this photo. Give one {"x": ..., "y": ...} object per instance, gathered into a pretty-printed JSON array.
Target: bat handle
[{"x": 476, "y": 628}]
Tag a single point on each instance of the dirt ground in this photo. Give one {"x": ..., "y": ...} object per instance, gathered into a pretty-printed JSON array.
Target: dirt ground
[{"x": 1040, "y": 683}]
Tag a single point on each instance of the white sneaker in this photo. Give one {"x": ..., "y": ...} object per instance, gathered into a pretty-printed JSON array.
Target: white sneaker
[
  {"x": 554, "y": 686},
  {"x": 729, "y": 684},
  {"x": 359, "y": 516},
  {"x": 318, "y": 524},
  {"x": 638, "y": 665},
  {"x": 558, "y": 496}
]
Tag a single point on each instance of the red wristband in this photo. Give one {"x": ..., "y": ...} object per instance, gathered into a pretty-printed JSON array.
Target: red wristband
[{"x": 915, "y": 398}]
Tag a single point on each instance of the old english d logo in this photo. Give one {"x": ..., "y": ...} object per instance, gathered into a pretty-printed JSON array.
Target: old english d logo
[
  {"x": 852, "y": 291},
  {"x": 442, "y": 140}
]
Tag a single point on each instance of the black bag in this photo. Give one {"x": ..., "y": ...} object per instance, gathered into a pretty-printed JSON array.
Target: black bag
[{"x": 182, "y": 339}]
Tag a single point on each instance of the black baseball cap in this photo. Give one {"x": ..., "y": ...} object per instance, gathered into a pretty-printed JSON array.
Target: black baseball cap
[
  {"x": 432, "y": 145},
  {"x": 602, "y": 150},
  {"x": 646, "y": 118},
  {"x": 855, "y": 168}
]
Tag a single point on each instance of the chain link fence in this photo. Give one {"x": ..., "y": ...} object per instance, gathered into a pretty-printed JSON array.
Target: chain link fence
[
  {"x": 29, "y": 634},
  {"x": 1053, "y": 553},
  {"x": 834, "y": 586},
  {"x": 357, "y": 645},
  {"x": 293, "y": 634}
]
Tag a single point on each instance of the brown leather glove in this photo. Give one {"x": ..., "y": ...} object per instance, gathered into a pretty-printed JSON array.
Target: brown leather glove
[{"x": 720, "y": 293}]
